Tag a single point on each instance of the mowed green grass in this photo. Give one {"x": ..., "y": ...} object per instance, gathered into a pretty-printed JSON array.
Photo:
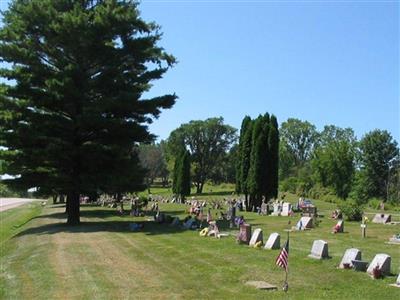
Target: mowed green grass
[{"x": 102, "y": 259}]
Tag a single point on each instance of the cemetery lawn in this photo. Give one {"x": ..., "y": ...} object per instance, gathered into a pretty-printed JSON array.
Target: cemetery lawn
[{"x": 42, "y": 258}]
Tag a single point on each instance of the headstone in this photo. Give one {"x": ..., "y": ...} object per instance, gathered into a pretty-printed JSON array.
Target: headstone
[
  {"x": 381, "y": 260},
  {"x": 319, "y": 250},
  {"x": 286, "y": 209},
  {"x": 339, "y": 227},
  {"x": 359, "y": 265},
  {"x": 382, "y": 219},
  {"x": 256, "y": 237},
  {"x": 244, "y": 233},
  {"x": 277, "y": 209},
  {"x": 309, "y": 211},
  {"x": 264, "y": 209},
  {"x": 304, "y": 223},
  {"x": 348, "y": 257},
  {"x": 273, "y": 242}
]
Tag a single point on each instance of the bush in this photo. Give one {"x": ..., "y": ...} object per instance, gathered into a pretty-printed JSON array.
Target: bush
[
  {"x": 289, "y": 185},
  {"x": 351, "y": 210},
  {"x": 374, "y": 203}
]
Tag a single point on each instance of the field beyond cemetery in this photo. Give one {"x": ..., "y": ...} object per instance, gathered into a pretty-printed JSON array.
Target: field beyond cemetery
[{"x": 42, "y": 258}]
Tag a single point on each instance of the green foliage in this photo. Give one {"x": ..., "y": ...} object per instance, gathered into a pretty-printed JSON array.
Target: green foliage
[
  {"x": 351, "y": 210},
  {"x": 153, "y": 160},
  {"x": 208, "y": 142},
  {"x": 76, "y": 109},
  {"x": 379, "y": 156},
  {"x": 181, "y": 183},
  {"x": 300, "y": 138},
  {"x": 333, "y": 165}
]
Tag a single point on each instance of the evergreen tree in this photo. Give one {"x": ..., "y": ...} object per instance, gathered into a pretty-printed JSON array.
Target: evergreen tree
[
  {"x": 239, "y": 177},
  {"x": 273, "y": 154},
  {"x": 256, "y": 160},
  {"x": 74, "y": 109},
  {"x": 181, "y": 183},
  {"x": 245, "y": 158}
]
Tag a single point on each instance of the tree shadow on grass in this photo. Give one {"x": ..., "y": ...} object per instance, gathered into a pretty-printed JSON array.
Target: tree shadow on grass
[
  {"x": 106, "y": 213},
  {"x": 220, "y": 193},
  {"x": 149, "y": 228}
]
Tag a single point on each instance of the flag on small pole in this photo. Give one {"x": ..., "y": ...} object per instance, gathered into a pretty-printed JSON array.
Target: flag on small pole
[{"x": 283, "y": 261}]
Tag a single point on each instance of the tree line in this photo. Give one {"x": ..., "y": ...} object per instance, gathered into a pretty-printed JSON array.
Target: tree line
[{"x": 327, "y": 164}]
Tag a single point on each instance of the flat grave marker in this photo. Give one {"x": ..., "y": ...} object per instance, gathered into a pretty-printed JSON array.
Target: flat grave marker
[{"x": 382, "y": 219}]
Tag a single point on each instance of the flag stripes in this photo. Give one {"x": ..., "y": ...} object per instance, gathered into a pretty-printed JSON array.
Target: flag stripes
[{"x": 283, "y": 258}]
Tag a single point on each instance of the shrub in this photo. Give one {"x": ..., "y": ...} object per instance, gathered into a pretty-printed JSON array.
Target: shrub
[
  {"x": 374, "y": 203},
  {"x": 351, "y": 210}
]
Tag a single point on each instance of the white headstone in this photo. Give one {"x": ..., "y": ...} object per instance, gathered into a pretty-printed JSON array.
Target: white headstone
[
  {"x": 256, "y": 237},
  {"x": 350, "y": 255},
  {"x": 319, "y": 250},
  {"x": 382, "y": 219},
  {"x": 304, "y": 223},
  {"x": 286, "y": 209},
  {"x": 277, "y": 209},
  {"x": 274, "y": 241},
  {"x": 383, "y": 261}
]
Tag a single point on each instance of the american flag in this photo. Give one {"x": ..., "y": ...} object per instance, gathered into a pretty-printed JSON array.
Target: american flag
[{"x": 283, "y": 258}]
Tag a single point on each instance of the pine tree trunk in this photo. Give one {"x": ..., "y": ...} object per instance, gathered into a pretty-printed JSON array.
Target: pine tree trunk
[{"x": 73, "y": 209}]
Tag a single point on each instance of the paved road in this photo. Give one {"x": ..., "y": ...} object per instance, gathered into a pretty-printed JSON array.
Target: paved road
[{"x": 8, "y": 203}]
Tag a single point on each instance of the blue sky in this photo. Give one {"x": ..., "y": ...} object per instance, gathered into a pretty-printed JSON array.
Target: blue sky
[{"x": 328, "y": 62}]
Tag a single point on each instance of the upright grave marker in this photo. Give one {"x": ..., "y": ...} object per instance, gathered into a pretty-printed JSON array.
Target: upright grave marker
[
  {"x": 319, "y": 250},
  {"x": 273, "y": 242},
  {"x": 256, "y": 237},
  {"x": 382, "y": 219},
  {"x": 349, "y": 256},
  {"x": 382, "y": 261}
]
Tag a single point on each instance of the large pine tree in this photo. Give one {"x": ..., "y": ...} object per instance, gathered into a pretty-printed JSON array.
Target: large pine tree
[{"x": 73, "y": 109}]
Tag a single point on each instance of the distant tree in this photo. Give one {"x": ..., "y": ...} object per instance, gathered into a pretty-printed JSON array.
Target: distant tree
[
  {"x": 208, "y": 141},
  {"x": 300, "y": 138},
  {"x": 332, "y": 133},
  {"x": 73, "y": 108},
  {"x": 181, "y": 184},
  {"x": 153, "y": 160},
  {"x": 334, "y": 166},
  {"x": 379, "y": 156}
]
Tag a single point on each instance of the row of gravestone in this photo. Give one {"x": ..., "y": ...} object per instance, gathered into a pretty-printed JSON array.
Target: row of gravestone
[{"x": 319, "y": 250}]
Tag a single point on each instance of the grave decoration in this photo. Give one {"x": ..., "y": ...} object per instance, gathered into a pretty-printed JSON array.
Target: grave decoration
[{"x": 256, "y": 237}]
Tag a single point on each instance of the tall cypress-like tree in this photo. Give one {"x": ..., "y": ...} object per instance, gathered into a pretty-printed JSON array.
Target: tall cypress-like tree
[
  {"x": 185, "y": 173},
  {"x": 74, "y": 108},
  {"x": 256, "y": 159},
  {"x": 239, "y": 165},
  {"x": 273, "y": 154},
  {"x": 245, "y": 158},
  {"x": 181, "y": 183}
]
